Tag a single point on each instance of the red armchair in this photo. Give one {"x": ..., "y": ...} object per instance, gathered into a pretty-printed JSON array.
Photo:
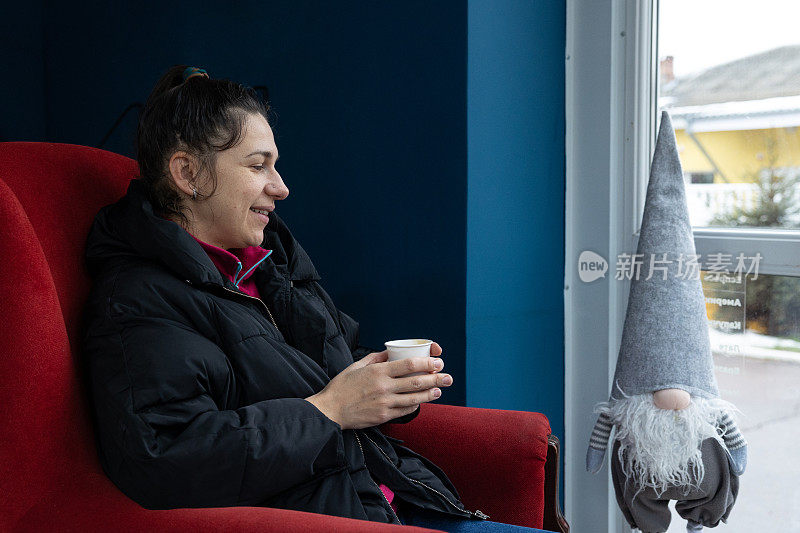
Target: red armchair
[{"x": 50, "y": 477}]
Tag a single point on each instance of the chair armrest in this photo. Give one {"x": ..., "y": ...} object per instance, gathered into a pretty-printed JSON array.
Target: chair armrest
[
  {"x": 553, "y": 517},
  {"x": 92, "y": 503},
  {"x": 496, "y": 458}
]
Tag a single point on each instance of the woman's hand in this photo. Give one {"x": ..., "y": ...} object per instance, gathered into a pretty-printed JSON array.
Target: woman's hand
[{"x": 373, "y": 390}]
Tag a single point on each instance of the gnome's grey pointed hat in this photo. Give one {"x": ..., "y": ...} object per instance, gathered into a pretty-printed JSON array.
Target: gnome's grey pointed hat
[{"x": 665, "y": 340}]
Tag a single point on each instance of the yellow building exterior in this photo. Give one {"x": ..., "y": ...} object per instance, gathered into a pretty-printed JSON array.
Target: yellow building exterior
[{"x": 739, "y": 155}]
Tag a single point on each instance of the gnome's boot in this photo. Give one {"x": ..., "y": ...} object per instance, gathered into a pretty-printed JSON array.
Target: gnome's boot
[{"x": 693, "y": 527}]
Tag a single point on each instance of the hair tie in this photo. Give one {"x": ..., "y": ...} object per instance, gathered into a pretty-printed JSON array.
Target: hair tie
[{"x": 191, "y": 72}]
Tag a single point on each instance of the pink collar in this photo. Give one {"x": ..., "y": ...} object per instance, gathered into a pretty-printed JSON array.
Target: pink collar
[
  {"x": 238, "y": 264},
  {"x": 242, "y": 264}
]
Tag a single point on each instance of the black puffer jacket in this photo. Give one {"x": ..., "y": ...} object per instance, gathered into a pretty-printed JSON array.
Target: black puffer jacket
[{"x": 198, "y": 397}]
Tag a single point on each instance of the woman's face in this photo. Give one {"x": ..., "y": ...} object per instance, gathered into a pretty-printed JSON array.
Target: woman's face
[{"x": 246, "y": 179}]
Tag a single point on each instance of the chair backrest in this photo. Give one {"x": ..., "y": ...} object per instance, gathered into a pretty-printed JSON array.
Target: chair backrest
[{"x": 49, "y": 195}]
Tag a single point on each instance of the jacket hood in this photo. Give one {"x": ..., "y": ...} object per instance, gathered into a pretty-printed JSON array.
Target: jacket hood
[{"x": 130, "y": 228}]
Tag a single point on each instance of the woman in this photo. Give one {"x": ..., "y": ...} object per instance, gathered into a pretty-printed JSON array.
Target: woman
[{"x": 222, "y": 373}]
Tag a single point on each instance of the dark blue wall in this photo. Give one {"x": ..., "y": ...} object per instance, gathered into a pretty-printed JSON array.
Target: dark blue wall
[
  {"x": 423, "y": 144},
  {"x": 515, "y": 208},
  {"x": 515, "y": 213},
  {"x": 22, "y": 66}
]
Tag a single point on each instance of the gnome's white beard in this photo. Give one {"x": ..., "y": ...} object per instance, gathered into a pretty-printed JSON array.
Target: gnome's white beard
[{"x": 659, "y": 447}]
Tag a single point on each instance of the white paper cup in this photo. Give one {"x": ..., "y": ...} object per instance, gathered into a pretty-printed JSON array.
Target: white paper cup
[{"x": 405, "y": 348}]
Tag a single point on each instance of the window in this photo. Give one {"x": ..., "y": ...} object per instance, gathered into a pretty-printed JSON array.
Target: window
[
  {"x": 727, "y": 79},
  {"x": 700, "y": 177}
]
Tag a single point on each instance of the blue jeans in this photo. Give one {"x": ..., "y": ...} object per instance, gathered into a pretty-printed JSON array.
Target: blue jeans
[{"x": 414, "y": 516}]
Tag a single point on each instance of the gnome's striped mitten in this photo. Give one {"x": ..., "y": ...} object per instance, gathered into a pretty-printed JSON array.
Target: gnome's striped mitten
[
  {"x": 598, "y": 443},
  {"x": 734, "y": 441}
]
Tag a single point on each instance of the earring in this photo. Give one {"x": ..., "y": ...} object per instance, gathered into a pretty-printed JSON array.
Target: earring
[{"x": 194, "y": 193}]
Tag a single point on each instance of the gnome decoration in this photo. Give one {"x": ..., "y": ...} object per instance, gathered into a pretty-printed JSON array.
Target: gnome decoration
[{"x": 674, "y": 439}]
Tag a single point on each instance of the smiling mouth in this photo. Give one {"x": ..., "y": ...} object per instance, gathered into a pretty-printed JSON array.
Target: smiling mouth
[{"x": 262, "y": 215}]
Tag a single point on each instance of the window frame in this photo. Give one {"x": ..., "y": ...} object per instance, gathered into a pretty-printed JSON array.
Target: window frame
[
  {"x": 609, "y": 89},
  {"x": 774, "y": 245}
]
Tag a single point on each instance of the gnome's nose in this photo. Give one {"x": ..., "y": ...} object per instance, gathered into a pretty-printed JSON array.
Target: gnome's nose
[{"x": 673, "y": 399}]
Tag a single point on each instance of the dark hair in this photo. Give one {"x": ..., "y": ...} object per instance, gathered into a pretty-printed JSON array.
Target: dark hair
[{"x": 201, "y": 116}]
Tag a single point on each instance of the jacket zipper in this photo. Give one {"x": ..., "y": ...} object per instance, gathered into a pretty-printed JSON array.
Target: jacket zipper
[
  {"x": 480, "y": 514},
  {"x": 259, "y": 300},
  {"x": 373, "y": 481}
]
